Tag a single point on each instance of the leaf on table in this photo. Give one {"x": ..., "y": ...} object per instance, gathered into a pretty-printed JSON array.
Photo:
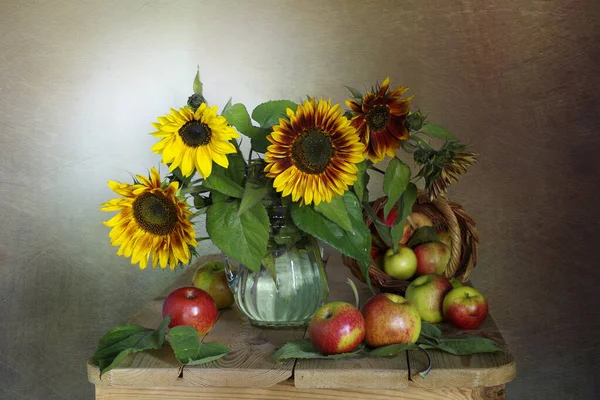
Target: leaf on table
[
  {"x": 430, "y": 330},
  {"x": 391, "y": 350},
  {"x": 466, "y": 345},
  {"x": 189, "y": 349},
  {"x": 424, "y": 234},
  {"x": 304, "y": 349},
  {"x": 123, "y": 340}
]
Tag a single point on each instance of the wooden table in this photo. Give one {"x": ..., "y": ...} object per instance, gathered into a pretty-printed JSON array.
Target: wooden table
[{"x": 248, "y": 371}]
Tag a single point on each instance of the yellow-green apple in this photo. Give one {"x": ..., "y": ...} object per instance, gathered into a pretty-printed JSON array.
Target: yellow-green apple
[
  {"x": 432, "y": 258},
  {"x": 445, "y": 238},
  {"x": 465, "y": 308},
  {"x": 390, "y": 319},
  {"x": 418, "y": 220},
  {"x": 407, "y": 231},
  {"x": 192, "y": 307},
  {"x": 400, "y": 265},
  {"x": 211, "y": 278},
  {"x": 336, "y": 327},
  {"x": 427, "y": 294}
]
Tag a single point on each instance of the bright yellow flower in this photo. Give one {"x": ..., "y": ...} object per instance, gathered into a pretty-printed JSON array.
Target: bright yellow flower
[
  {"x": 313, "y": 155},
  {"x": 193, "y": 140},
  {"x": 380, "y": 120},
  {"x": 151, "y": 220}
]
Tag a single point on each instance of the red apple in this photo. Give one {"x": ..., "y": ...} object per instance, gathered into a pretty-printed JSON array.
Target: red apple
[
  {"x": 465, "y": 308},
  {"x": 211, "y": 278},
  {"x": 336, "y": 327},
  {"x": 427, "y": 294},
  {"x": 192, "y": 307},
  {"x": 390, "y": 319},
  {"x": 401, "y": 265},
  {"x": 432, "y": 258},
  {"x": 418, "y": 220}
]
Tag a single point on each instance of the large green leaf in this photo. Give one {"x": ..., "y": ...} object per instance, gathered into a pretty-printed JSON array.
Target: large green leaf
[
  {"x": 336, "y": 212},
  {"x": 190, "y": 350},
  {"x": 404, "y": 208},
  {"x": 464, "y": 345},
  {"x": 362, "y": 180},
  {"x": 221, "y": 182},
  {"x": 253, "y": 193},
  {"x": 236, "y": 169},
  {"x": 237, "y": 115},
  {"x": 243, "y": 237},
  {"x": 430, "y": 331},
  {"x": 436, "y": 131},
  {"x": 268, "y": 114},
  {"x": 260, "y": 143},
  {"x": 397, "y": 176},
  {"x": 304, "y": 349},
  {"x": 392, "y": 349},
  {"x": 355, "y": 244},
  {"x": 123, "y": 340}
]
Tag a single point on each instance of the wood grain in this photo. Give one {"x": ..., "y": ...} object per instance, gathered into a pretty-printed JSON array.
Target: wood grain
[
  {"x": 477, "y": 370},
  {"x": 249, "y": 364},
  {"x": 283, "y": 391}
]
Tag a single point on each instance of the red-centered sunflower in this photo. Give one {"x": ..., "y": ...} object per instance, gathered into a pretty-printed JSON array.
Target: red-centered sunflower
[
  {"x": 380, "y": 120},
  {"x": 151, "y": 220},
  {"x": 313, "y": 155}
]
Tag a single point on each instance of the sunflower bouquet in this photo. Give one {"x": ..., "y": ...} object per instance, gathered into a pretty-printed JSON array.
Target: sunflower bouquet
[{"x": 313, "y": 156}]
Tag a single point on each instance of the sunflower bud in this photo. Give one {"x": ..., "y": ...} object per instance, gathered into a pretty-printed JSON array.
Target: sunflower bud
[
  {"x": 195, "y": 100},
  {"x": 414, "y": 122}
]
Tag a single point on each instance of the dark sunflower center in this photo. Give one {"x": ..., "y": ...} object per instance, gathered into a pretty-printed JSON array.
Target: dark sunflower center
[
  {"x": 312, "y": 151},
  {"x": 155, "y": 213},
  {"x": 377, "y": 118},
  {"x": 195, "y": 133}
]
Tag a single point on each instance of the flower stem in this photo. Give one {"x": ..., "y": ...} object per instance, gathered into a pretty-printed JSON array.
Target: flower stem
[{"x": 377, "y": 169}]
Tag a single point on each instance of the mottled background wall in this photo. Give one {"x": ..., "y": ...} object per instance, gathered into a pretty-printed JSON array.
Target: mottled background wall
[{"x": 80, "y": 83}]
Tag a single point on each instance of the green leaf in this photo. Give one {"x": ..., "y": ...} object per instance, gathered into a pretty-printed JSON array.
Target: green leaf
[
  {"x": 190, "y": 350},
  {"x": 123, "y": 340},
  {"x": 362, "y": 180},
  {"x": 304, "y": 349},
  {"x": 260, "y": 144},
  {"x": 336, "y": 212},
  {"x": 227, "y": 107},
  {"x": 268, "y": 114},
  {"x": 397, "y": 176},
  {"x": 430, "y": 331},
  {"x": 237, "y": 115},
  {"x": 383, "y": 230},
  {"x": 243, "y": 237},
  {"x": 269, "y": 263},
  {"x": 355, "y": 92},
  {"x": 236, "y": 169},
  {"x": 404, "y": 208},
  {"x": 199, "y": 201},
  {"x": 197, "y": 83},
  {"x": 392, "y": 349},
  {"x": 355, "y": 244},
  {"x": 467, "y": 344},
  {"x": 436, "y": 131},
  {"x": 425, "y": 234},
  {"x": 253, "y": 193},
  {"x": 219, "y": 181}
]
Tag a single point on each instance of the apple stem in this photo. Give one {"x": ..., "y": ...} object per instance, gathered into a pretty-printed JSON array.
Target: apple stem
[
  {"x": 424, "y": 373},
  {"x": 355, "y": 290}
]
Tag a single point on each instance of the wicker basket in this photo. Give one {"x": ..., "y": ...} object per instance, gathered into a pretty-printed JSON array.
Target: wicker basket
[{"x": 446, "y": 216}]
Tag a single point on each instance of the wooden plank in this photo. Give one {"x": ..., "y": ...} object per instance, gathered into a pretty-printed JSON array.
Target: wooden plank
[
  {"x": 478, "y": 370},
  {"x": 383, "y": 373},
  {"x": 283, "y": 391},
  {"x": 249, "y": 364},
  {"x": 149, "y": 368}
]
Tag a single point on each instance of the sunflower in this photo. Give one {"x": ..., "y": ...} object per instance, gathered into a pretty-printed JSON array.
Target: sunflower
[
  {"x": 313, "y": 154},
  {"x": 194, "y": 140},
  {"x": 379, "y": 118},
  {"x": 151, "y": 219}
]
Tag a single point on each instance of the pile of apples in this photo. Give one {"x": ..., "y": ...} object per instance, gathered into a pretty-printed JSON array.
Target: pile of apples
[{"x": 387, "y": 318}]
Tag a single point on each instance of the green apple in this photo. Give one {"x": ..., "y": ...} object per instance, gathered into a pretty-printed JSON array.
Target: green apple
[
  {"x": 401, "y": 265},
  {"x": 211, "y": 278},
  {"x": 427, "y": 294}
]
